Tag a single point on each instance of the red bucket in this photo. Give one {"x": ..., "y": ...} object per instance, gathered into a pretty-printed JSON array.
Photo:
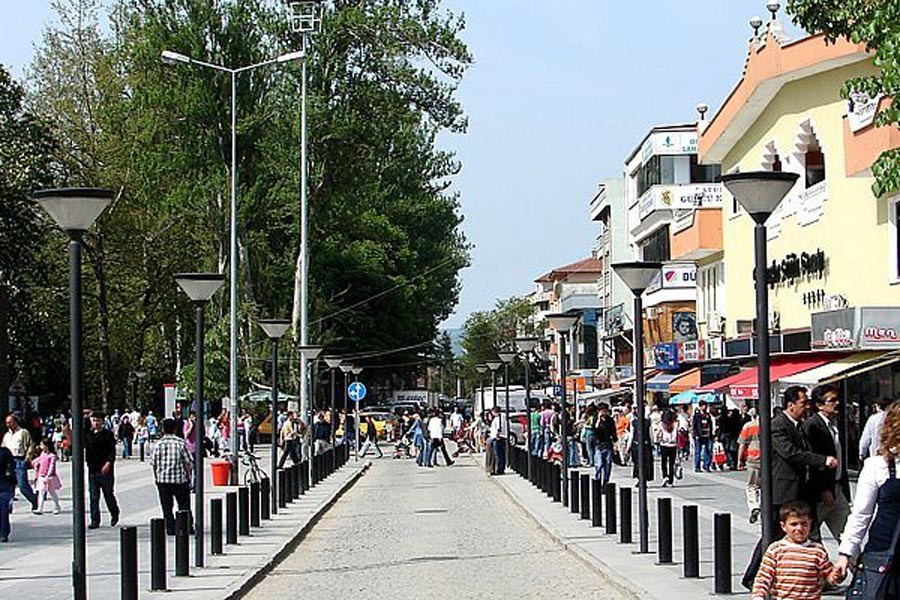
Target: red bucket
[{"x": 220, "y": 472}]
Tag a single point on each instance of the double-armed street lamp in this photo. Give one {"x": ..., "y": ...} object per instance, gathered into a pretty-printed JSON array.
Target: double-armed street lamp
[
  {"x": 199, "y": 287},
  {"x": 74, "y": 210},
  {"x": 274, "y": 330},
  {"x": 760, "y": 193},
  {"x": 526, "y": 346},
  {"x": 562, "y": 323},
  {"x": 506, "y": 357}
]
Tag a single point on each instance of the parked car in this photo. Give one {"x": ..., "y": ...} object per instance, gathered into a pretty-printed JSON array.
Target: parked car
[{"x": 381, "y": 423}]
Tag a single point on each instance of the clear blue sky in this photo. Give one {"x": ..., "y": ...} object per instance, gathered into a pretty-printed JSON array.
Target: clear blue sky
[{"x": 560, "y": 93}]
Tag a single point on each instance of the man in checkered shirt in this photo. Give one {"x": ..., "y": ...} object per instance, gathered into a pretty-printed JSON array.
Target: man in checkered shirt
[{"x": 172, "y": 464}]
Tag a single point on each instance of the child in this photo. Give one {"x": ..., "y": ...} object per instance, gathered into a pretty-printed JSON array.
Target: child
[
  {"x": 47, "y": 479},
  {"x": 793, "y": 567}
]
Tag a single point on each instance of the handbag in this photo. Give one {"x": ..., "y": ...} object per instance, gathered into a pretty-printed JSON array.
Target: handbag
[{"x": 874, "y": 569}]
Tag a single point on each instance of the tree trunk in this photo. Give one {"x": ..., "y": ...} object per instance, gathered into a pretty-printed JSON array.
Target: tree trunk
[{"x": 96, "y": 257}]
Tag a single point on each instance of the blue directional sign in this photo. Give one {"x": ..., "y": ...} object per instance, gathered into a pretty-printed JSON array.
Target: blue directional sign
[{"x": 356, "y": 391}]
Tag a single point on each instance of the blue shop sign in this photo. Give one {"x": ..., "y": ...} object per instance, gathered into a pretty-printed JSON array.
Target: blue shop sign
[{"x": 666, "y": 356}]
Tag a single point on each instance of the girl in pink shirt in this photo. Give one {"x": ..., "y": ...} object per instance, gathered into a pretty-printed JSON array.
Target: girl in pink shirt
[{"x": 47, "y": 479}]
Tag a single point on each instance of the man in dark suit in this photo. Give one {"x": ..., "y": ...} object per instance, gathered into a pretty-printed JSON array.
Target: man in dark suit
[
  {"x": 829, "y": 489},
  {"x": 792, "y": 460}
]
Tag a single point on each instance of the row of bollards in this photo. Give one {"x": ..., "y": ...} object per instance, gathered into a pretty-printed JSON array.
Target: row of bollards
[{"x": 611, "y": 508}]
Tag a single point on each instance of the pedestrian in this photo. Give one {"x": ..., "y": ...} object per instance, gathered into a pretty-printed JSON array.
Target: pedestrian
[
  {"x": 870, "y": 441},
  {"x": 321, "y": 434},
  {"x": 436, "y": 434},
  {"x": 588, "y": 434},
  {"x": 794, "y": 567},
  {"x": 667, "y": 440},
  {"x": 8, "y": 479},
  {"x": 875, "y": 517},
  {"x": 498, "y": 435},
  {"x": 371, "y": 438},
  {"x": 749, "y": 456},
  {"x": 172, "y": 465},
  {"x": 624, "y": 434},
  {"x": 418, "y": 437},
  {"x": 791, "y": 461},
  {"x": 288, "y": 436},
  {"x": 605, "y": 433},
  {"x": 655, "y": 426},
  {"x": 702, "y": 426},
  {"x": 125, "y": 434},
  {"x": 456, "y": 420},
  {"x": 350, "y": 428},
  {"x": 141, "y": 433},
  {"x": 647, "y": 450},
  {"x": 18, "y": 441},
  {"x": 46, "y": 478},
  {"x": 152, "y": 425},
  {"x": 100, "y": 455},
  {"x": 829, "y": 489}
]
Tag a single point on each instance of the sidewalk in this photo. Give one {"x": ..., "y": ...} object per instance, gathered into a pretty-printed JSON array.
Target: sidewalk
[
  {"x": 721, "y": 492},
  {"x": 40, "y": 547}
]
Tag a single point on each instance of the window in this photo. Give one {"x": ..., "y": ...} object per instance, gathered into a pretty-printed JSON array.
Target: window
[
  {"x": 815, "y": 166},
  {"x": 704, "y": 173},
  {"x": 665, "y": 170},
  {"x": 655, "y": 247}
]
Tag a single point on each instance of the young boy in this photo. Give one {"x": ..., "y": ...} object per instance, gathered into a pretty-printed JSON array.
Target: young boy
[{"x": 793, "y": 567}]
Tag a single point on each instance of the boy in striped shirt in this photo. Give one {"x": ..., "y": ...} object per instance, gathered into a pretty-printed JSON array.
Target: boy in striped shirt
[{"x": 794, "y": 567}]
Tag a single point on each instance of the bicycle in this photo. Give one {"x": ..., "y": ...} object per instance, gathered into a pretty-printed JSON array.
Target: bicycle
[{"x": 253, "y": 473}]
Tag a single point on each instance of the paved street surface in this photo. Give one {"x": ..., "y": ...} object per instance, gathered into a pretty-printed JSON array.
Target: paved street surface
[{"x": 402, "y": 531}]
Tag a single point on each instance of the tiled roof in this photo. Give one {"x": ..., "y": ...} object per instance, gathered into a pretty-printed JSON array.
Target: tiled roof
[{"x": 586, "y": 265}]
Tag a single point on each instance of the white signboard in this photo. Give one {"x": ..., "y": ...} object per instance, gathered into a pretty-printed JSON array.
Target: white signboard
[
  {"x": 675, "y": 276},
  {"x": 861, "y": 110},
  {"x": 669, "y": 143},
  {"x": 681, "y": 197}
]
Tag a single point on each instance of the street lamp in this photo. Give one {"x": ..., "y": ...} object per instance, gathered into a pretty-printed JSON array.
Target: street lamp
[
  {"x": 346, "y": 368},
  {"x": 562, "y": 323},
  {"x": 274, "y": 330},
  {"x": 334, "y": 364},
  {"x": 494, "y": 365},
  {"x": 175, "y": 58},
  {"x": 481, "y": 369},
  {"x": 760, "y": 193},
  {"x": 309, "y": 354},
  {"x": 637, "y": 276},
  {"x": 526, "y": 345},
  {"x": 356, "y": 371},
  {"x": 199, "y": 287},
  {"x": 506, "y": 357},
  {"x": 74, "y": 210}
]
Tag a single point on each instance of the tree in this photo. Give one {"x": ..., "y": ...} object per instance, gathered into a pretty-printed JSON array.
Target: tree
[{"x": 877, "y": 24}]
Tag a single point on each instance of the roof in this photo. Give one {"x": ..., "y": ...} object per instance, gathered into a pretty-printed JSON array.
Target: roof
[{"x": 586, "y": 265}]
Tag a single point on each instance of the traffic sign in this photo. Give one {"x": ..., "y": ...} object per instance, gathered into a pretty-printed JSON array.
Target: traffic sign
[{"x": 356, "y": 391}]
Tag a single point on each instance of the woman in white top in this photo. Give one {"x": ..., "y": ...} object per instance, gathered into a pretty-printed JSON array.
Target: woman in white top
[{"x": 667, "y": 439}]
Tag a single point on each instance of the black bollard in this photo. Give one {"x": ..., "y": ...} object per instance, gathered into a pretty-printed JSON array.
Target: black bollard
[
  {"x": 254, "y": 504},
  {"x": 304, "y": 477},
  {"x": 215, "y": 526},
  {"x": 625, "y": 515},
  {"x": 282, "y": 487},
  {"x": 265, "y": 499},
  {"x": 182, "y": 543},
  {"x": 141, "y": 449},
  {"x": 556, "y": 482},
  {"x": 288, "y": 485},
  {"x": 722, "y": 552},
  {"x": 664, "y": 523},
  {"x": 585, "y": 495},
  {"x": 157, "y": 555},
  {"x": 596, "y": 503},
  {"x": 691, "y": 535},
  {"x": 231, "y": 535},
  {"x": 129, "y": 566},
  {"x": 574, "y": 505},
  {"x": 243, "y": 510},
  {"x": 298, "y": 488},
  {"x": 611, "y": 508}
]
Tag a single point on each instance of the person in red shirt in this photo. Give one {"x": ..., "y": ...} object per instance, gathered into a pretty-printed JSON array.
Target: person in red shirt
[{"x": 748, "y": 455}]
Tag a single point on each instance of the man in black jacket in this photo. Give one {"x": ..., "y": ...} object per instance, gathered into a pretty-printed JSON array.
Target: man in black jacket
[
  {"x": 100, "y": 455},
  {"x": 829, "y": 489}
]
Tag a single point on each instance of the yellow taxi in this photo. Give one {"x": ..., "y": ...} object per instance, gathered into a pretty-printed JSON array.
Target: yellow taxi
[{"x": 381, "y": 419}]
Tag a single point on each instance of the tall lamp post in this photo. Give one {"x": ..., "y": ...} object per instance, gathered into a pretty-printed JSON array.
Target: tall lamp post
[
  {"x": 274, "y": 330},
  {"x": 334, "y": 363},
  {"x": 525, "y": 346},
  {"x": 637, "y": 276},
  {"x": 74, "y": 210},
  {"x": 506, "y": 357},
  {"x": 346, "y": 369},
  {"x": 199, "y": 287},
  {"x": 309, "y": 359},
  {"x": 174, "y": 58},
  {"x": 563, "y": 323},
  {"x": 356, "y": 371},
  {"x": 482, "y": 369},
  {"x": 760, "y": 193},
  {"x": 494, "y": 365}
]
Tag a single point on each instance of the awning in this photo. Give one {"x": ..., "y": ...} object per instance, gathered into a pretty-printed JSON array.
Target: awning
[
  {"x": 685, "y": 381},
  {"x": 883, "y": 361},
  {"x": 782, "y": 367},
  {"x": 692, "y": 398},
  {"x": 629, "y": 381},
  {"x": 833, "y": 370},
  {"x": 661, "y": 382},
  {"x": 722, "y": 384}
]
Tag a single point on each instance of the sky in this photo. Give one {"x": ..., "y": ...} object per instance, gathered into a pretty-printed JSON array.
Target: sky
[{"x": 560, "y": 93}]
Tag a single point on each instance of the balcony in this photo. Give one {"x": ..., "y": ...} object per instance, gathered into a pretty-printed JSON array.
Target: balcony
[{"x": 660, "y": 203}]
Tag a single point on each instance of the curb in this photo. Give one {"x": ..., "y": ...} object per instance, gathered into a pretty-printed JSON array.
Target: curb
[
  {"x": 597, "y": 565},
  {"x": 242, "y": 587}
]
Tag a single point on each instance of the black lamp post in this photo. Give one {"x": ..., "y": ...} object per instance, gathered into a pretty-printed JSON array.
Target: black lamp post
[
  {"x": 563, "y": 323},
  {"x": 334, "y": 363},
  {"x": 526, "y": 345},
  {"x": 356, "y": 371},
  {"x": 760, "y": 193},
  {"x": 310, "y": 355},
  {"x": 506, "y": 357},
  {"x": 74, "y": 210},
  {"x": 494, "y": 365},
  {"x": 482, "y": 369},
  {"x": 637, "y": 276},
  {"x": 199, "y": 287},
  {"x": 346, "y": 369},
  {"x": 274, "y": 330}
]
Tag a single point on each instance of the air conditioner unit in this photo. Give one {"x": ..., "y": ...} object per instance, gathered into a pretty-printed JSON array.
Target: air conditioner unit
[
  {"x": 652, "y": 312},
  {"x": 715, "y": 322}
]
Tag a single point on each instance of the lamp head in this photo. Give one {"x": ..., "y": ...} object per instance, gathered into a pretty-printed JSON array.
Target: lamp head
[
  {"x": 773, "y": 8},
  {"x": 493, "y": 365},
  {"x": 275, "y": 328},
  {"x": 637, "y": 275},
  {"x": 174, "y": 58},
  {"x": 333, "y": 362},
  {"x": 506, "y": 356},
  {"x": 311, "y": 352},
  {"x": 759, "y": 192},
  {"x": 562, "y": 322},
  {"x": 291, "y": 56},
  {"x": 346, "y": 369},
  {"x": 755, "y": 23},
  {"x": 481, "y": 368},
  {"x": 74, "y": 209},
  {"x": 356, "y": 370},
  {"x": 199, "y": 287},
  {"x": 526, "y": 345}
]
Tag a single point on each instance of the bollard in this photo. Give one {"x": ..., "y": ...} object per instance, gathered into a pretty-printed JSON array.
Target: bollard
[
  {"x": 585, "y": 494},
  {"x": 556, "y": 482},
  {"x": 625, "y": 515},
  {"x": 574, "y": 505},
  {"x": 265, "y": 499},
  {"x": 611, "y": 508},
  {"x": 722, "y": 552},
  {"x": 215, "y": 526},
  {"x": 243, "y": 510},
  {"x": 664, "y": 523},
  {"x": 304, "y": 477},
  {"x": 157, "y": 555},
  {"x": 691, "y": 535},
  {"x": 182, "y": 543},
  {"x": 231, "y": 536},
  {"x": 596, "y": 503},
  {"x": 288, "y": 485},
  {"x": 129, "y": 567},
  {"x": 254, "y": 504},
  {"x": 298, "y": 488},
  {"x": 141, "y": 450},
  {"x": 282, "y": 485}
]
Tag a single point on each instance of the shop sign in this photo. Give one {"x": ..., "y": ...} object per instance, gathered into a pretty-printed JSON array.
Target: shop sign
[
  {"x": 666, "y": 356},
  {"x": 668, "y": 143},
  {"x": 680, "y": 197},
  {"x": 575, "y": 384},
  {"x": 744, "y": 391},
  {"x": 713, "y": 348},
  {"x": 675, "y": 276},
  {"x": 614, "y": 320},
  {"x": 860, "y": 328},
  {"x": 861, "y": 110},
  {"x": 793, "y": 267},
  {"x": 692, "y": 351}
]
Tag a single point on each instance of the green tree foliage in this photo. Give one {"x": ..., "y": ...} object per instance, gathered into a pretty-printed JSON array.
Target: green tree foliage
[
  {"x": 386, "y": 245},
  {"x": 877, "y": 24}
]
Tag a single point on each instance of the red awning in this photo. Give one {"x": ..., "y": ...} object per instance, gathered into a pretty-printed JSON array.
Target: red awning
[
  {"x": 748, "y": 388},
  {"x": 722, "y": 384}
]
